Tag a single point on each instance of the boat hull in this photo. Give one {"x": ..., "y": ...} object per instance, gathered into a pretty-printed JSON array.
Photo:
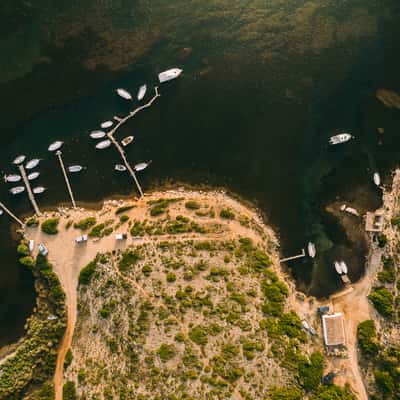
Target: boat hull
[{"x": 169, "y": 75}]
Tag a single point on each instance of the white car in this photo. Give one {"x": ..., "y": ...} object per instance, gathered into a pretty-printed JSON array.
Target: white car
[
  {"x": 42, "y": 249},
  {"x": 121, "y": 236},
  {"x": 81, "y": 239}
]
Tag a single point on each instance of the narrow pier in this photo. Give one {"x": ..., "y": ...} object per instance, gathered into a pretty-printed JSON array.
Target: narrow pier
[
  {"x": 71, "y": 194},
  {"x": 12, "y": 215},
  {"x": 301, "y": 255},
  {"x": 121, "y": 121},
  {"x": 29, "y": 189}
]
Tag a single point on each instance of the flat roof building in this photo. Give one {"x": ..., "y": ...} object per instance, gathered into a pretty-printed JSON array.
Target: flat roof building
[{"x": 333, "y": 329}]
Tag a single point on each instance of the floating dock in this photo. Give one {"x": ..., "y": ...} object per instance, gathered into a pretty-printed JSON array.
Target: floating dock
[
  {"x": 12, "y": 215},
  {"x": 71, "y": 194},
  {"x": 301, "y": 255},
  {"x": 29, "y": 189}
]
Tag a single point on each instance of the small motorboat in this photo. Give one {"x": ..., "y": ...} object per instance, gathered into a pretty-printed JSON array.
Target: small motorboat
[
  {"x": 19, "y": 159},
  {"x": 104, "y": 144},
  {"x": 124, "y": 94},
  {"x": 106, "y": 124},
  {"x": 32, "y": 163},
  {"x": 142, "y": 166},
  {"x": 169, "y": 74},
  {"x": 34, "y": 175},
  {"x": 12, "y": 178},
  {"x": 377, "y": 179},
  {"x": 120, "y": 167},
  {"x": 17, "y": 190},
  {"x": 75, "y": 168},
  {"x": 141, "y": 92},
  {"x": 55, "y": 145},
  {"x": 311, "y": 249},
  {"x": 38, "y": 189},
  {"x": 338, "y": 267},
  {"x": 350, "y": 210},
  {"x": 97, "y": 134},
  {"x": 127, "y": 140},
  {"x": 341, "y": 138},
  {"x": 343, "y": 267},
  {"x": 1, "y": 211},
  {"x": 31, "y": 245}
]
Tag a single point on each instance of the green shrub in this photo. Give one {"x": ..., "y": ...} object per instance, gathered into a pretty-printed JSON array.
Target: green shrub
[
  {"x": 226, "y": 214},
  {"x": 147, "y": 270},
  {"x": 159, "y": 206},
  {"x": 192, "y": 205},
  {"x": 367, "y": 339},
  {"x": 86, "y": 273},
  {"x": 382, "y": 240},
  {"x": 310, "y": 373},
  {"x": 333, "y": 392},
  {"x": 23, "y": 249},
  {"x": 68, "y": 358},
  {"x": 129, "y": 259},
  {"x": 286, "y": 393},
  {"x": 166, "y": 352},
  {"x": 171, "y": 277},
  {"x": 198, "y": 335},
  {"x": 69, "y": 391},
  {"x": 32, "y": 222},
  {"x": 123, "y": 218},
  {"x": 46, "y": 392},
  {"x": 382, "y": 300},
  {"x": 387, "y": 276},
  {"x": 85, "y": 223},
  {"x": 96, "y": 231},
  {"x": 104, "y": 312},
  {"x": 50, "y": 226},
  {"x": 137, "y": 229},
  {"x": 28, "y": 261},
  {"x": 123, "y": 209},
  {"x": 384, "y": 382}
]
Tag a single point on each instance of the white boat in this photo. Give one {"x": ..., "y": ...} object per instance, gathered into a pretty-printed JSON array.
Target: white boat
[
  {"x": 120, "y": 167},
  {"x": 32, "y": 176},
  {"x": 341, "y": 138},
  {"x": 12, "y": 178},
  {"x": 104, "y": 144},
  {"x": 124, "y": 94},
  {"x": 142, "y": 166},
  {"x": 31, "y": 245},
  {"x": 350, "y": 210},
  {"x": 75, "y": 168},
  {"x": 32, "y": 163},
  {"x": 141, "y": 92},
  {"x": 106, "y": 124},
  {"x": 311, "y": 249},
  {"x": 127, "y": 140},
  {"x": 1, "y": 211},
  {"x": 343, "y": 267},
  {"x": 19, "y": 159},
  {"x": 55, "y": 145},
  {"x": 97, "y": 134},
  {"x": 338, "y": 267},
  {"x": 17, "y": 190},
  {"x": 38, "y": 189},
  {"x": 169, "y": 74},
  {"x": 377, "y": 179},
  {"x": 42, "y": 249}
]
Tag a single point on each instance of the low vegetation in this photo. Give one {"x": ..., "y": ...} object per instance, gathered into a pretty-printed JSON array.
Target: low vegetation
[
  {"x": 85, "y": 223},
  {"x": 50, "y": 226}
]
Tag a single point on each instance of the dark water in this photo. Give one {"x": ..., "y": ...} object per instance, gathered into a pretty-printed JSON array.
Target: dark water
[{"x": 264, "y": 87}]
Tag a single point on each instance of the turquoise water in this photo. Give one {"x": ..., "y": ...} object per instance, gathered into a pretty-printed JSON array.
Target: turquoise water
[{"x": 264, "y": 86}]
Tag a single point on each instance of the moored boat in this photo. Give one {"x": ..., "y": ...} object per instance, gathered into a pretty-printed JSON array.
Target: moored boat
[
  {"x": 127, "y": 140},
  {"x": 75, "y": 168},
  {"x": 55, "y": 145},
  {"x": 12, "y": 178},
  {"x": 120, "y": 167},
  {"x": 341, "y": 138},
  {"x": 169, "y": 74},
  {"x": 19, "y": 159},
  {"x": 38, "y": 189},
  {"x": 1, "y": 211},
  {"x": 338, "y": 267},
  {"x": 17, "y": 190},
  {"x": 32, "y": 176},
  {"x": 343, "y": 267},
  {"x": 32, "y": 163},
  {"x": 141, "y": 92},
  {"x": 311, "y": 249},
  {"x": 104, "y": 144},
  {"x": 124, "y": 94},
  {"x": 377, "y": 179},
  {"x": 97, "y": 134},
  {"x": 106, "y": 124},
  {"x": 141, "y": 166}
]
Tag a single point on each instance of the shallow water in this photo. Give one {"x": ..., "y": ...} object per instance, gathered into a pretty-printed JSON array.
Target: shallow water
[{"x": 263, "y": 89}]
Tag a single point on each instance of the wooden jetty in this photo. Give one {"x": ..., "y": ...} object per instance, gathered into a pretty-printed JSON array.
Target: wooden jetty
[
  {"x": 12, "y": 215},
  {"x": 301, "y": 255},
  {"x": 121, "y": 121},
  {"x": 71, "y": 194},
  {"x": 29, "y": 189}
]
